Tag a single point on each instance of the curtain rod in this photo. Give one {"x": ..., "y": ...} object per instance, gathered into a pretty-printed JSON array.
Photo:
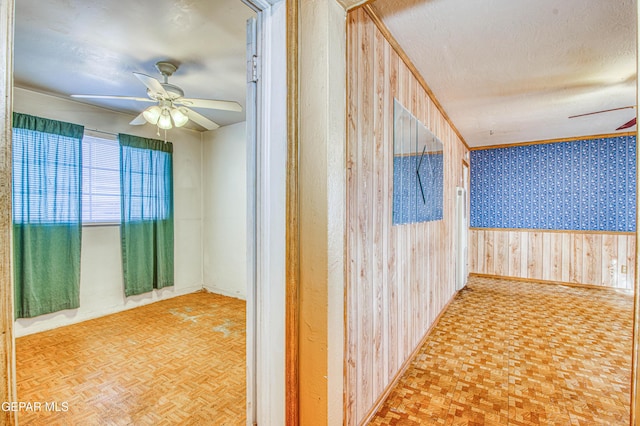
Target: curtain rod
[{"x": 101, "y": 131}]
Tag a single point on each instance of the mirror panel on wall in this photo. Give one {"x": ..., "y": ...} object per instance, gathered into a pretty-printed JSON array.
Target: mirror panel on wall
[{"x": 418, "y": 170}]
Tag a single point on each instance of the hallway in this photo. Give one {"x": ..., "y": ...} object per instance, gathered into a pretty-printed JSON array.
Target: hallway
[{"x": 518, "y": 353}]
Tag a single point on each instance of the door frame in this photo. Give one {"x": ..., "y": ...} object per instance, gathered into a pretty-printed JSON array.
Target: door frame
[
  {"x": 8, "y": 391},
  {"x": 266, "y": 224},
  {"x": 267, "y": 291}
]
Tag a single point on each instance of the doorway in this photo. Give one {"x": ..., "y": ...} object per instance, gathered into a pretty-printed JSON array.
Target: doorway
[{"x": 270, "y": 163}]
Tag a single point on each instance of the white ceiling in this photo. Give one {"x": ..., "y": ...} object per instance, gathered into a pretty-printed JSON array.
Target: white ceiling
[
  {"x": 510, "y": 71},
  {"x": 505, "y": 71},
  {"x": 65, "y": 47}
]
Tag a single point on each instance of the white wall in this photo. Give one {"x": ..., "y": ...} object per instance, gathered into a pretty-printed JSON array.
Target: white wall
[
  {"x": 225, "y": 210},
  {"x": 101, "y": 286}
]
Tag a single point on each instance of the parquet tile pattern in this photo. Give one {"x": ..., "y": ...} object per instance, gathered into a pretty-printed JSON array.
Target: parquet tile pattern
[
  {"x": 179, "y": 361},
  {"x": 517, "y": 353}
]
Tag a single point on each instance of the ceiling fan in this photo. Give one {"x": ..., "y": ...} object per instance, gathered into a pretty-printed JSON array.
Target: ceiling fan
[
  {"x": 626, "y": 125},
  {"x": 172, "y": 108}
]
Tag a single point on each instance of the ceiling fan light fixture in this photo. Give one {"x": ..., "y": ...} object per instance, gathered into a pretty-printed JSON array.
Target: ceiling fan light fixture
[
  {"x": 164, "y": 121},
  {"x": 152, "y": 114},
  {"x": 180, "y": 118}
]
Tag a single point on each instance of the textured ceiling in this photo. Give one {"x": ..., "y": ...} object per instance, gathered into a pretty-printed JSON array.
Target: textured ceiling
[
  {"x": 65, "y": 47},
  {"x": 505, "y": 71},
  {"x": 513, "y": 71}
]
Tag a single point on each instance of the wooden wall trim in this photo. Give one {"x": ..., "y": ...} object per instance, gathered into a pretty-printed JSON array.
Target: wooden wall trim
[
  {"x": 292, "y": 399},
  {"x": 539, "y": 281},
  {"x": 560, "y": 231},
  {"x": 635, "y": 360},
  {"x": 349, "y": 5},
  {"x": 412, "y": 68},
  {"x": 546, "y": 141},
  {"x": 7, "y": 347}
]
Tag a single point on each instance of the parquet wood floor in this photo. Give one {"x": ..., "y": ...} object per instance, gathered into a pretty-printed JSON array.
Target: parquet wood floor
[
  {"x": 175, "y": 362},
  {"x": 516, "y": 353}
]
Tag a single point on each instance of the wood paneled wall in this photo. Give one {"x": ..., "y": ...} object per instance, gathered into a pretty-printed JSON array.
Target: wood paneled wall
[
  {"x": 399, "y": 278},
  {"x": 595, "y": 258}
]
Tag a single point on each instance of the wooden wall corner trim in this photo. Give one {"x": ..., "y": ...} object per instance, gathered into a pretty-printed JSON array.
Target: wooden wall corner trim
[
  {"x": 559, "y": 140},
  {"x": 349, "y": 5},
  {"x": 7, "y": 348},
  {"x": 292, "y": 266},
  {"x": 553, "y": 231}
]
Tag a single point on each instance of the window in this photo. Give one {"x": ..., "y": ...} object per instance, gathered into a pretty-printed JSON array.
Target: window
[
  {"x": 100, "y": 180},
  {"x": 45, "y": 177}
]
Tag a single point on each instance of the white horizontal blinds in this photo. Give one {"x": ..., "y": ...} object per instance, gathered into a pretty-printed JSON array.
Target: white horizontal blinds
[{"x": 100, "y": 180}]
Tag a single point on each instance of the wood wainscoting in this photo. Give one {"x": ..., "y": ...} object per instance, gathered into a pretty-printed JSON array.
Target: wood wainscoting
[{"x": 578, "y": 257}]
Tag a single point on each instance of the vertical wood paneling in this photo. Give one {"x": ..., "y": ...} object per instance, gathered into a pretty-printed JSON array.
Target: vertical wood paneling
[
  {"x": 555, "y": 248},
  {"x": 399, "y": 277},
  {"x": 394, "y": 356},
  {"x": 535, "y": 252},
  {"x": 547, "y": 256},
  {"x": 631, "y": 260},
  {"x": 592, "y": 263},
  {"x": 593, "y": 258},
  {"x": 482, "y": 264},
  {"x": 514, "y": 254},
  {"x": 566, "y": 257},
  {"x": 524, "y": 254},
  {"x": 575, "y": 263},
  {"x": 621, "y": 262},
  {"x": 387, "y": 182},
  {"x": 473, "y": 250},
  {"x": 365, "y": 295},
  {"x": 489, "y": 253},
  {"x": 501, "y": 250},
  {"x": 351, "y": 367},
  {"x": 379, "y": 253},
  {"x": 609, "y": 264}
]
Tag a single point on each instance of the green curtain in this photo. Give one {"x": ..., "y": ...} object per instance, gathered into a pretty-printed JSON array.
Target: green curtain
[
  {"x": 146, "y": 228},
  {"x": 47, "y": 219}
]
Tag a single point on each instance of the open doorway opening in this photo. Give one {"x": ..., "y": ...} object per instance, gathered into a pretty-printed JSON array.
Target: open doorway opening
[{"x": 187, "y": 180}]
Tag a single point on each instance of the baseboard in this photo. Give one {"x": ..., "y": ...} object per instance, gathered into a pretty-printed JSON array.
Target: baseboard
[
  {"x": 549, "y": 282},
  {"x": 405, "y": 365},
  {"x": 68, "y": 317},
  {"x": 213, "y": 289}
]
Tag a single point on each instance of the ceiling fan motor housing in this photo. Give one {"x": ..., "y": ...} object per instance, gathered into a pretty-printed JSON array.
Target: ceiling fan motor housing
[{"x": 172, "y": 90}]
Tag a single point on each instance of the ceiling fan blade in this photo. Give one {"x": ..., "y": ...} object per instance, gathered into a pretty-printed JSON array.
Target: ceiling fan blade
[
  {"x": 628, "y": 124},
  {"x": 604, "y": 110},
  {"x": 139, "y": 120},
  {"x": 154, "y": 86},
  {"x": 125, "y": 98},
  {"x": 210, "y": 104},
  {"x": 200, "y": 119}
]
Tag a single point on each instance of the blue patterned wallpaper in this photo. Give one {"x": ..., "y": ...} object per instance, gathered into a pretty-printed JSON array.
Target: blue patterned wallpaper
[
  {"x": 408, "y": 204},
  {"x": 587, "y": 185}
]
